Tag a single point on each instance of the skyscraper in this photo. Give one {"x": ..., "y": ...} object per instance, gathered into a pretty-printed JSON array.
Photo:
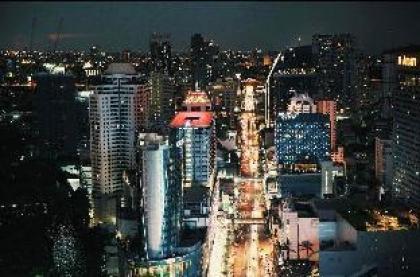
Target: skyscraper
[
  {"x": 329, "y": 108},
  {"x": 383, "y": 162},
  {"x": 194, "y": 134},
  {"x": 57, "y": 115},
  {"x": 406, "y": 125},
  {"x": 161, "y": 106},
  {"x": 203, "y": 56},
  {"x": 160, "y": 50},
  {"x": 112, "y": 136},
  {"x": 161, "y": 197},
  {"x": 334, "y": 57}
]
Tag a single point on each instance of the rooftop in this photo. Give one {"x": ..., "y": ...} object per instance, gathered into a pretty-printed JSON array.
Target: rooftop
[
  {"x": 120, "y": 68},
  {"x": 196, "y": 97},
  {"x": 192, "y": 119}
]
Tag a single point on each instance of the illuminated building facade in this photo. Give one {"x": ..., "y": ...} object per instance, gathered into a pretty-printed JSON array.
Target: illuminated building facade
[
  {"x": 302, "y": 138},
  {"x": 112, "y": 136},
  {"x": 224, "y": 97},
  {"x": 194, "y": 135},
  {"x": 197, "y": 101},
  {"x": 161, "y": 197},
  {"x": 406, "y": 125},
  {"x": 329, "y": 108}
]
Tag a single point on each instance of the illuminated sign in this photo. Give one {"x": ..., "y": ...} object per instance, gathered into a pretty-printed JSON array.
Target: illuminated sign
[{"x": 407, "y": 61}]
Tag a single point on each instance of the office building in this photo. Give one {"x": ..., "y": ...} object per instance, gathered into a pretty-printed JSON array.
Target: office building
[
  {"x": 383, "y": 162},
  {"x": 406, "y": 125},
  {"x": 161, "y": 106},
  {"x": 194, "y": 135},
  {"x": 161, "y": 216},
  {"x": 334, "y": 58},
  {"x": 112, "y": 136},
  {"x": 302, "y": 138},
  {"x": 57, "y": 116},
  {"x": 203, "y": 56},
  {"x": 329, "y": 108},
  {"x": 224, "y": 98},
  {"x": 160, "y": 50}
]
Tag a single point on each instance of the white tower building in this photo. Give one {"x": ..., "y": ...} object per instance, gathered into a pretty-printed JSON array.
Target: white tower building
[{"x": 112, "y": 136}]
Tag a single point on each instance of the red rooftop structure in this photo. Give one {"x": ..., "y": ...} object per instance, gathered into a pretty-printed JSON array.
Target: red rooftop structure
[{"x": 192, "y": 119}]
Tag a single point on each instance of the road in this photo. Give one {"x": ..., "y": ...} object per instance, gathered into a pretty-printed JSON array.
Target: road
[{"x": 251, "y": 249}]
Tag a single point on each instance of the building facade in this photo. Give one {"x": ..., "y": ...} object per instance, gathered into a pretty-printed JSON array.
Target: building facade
[
  {"x": 161, "y": 106},
  {"x": 406, "y": 126},
  {"x": 302, "y": 137},
  {"x": 112, "y": 136},
  {"x": 194, "y": 135},
  {"x": 383, "y": 162},
  {"x": 57, "y": 115},
  {"x": 161, "y": 197}
]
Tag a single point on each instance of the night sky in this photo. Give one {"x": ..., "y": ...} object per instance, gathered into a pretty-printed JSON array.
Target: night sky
[{"x": 234, "y": 25}]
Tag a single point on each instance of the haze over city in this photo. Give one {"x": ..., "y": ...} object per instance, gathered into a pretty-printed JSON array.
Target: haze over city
[{"x": 235, "y": 25}]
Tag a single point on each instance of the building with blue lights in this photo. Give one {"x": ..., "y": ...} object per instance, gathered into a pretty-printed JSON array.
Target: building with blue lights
[
  {"x": 302, "y": 138},
  {"x": 193, "y": 133}
]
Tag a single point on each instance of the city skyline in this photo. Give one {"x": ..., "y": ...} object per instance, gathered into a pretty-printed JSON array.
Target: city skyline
[{"x": 245, "y": 25}]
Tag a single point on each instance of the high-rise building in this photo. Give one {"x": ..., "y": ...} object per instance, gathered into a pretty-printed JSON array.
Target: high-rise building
[
  {"x": 112, "y": 136},
  {"x": 160, "y": 50},
  {"x": 58, "y": 115},
  {"x": 142, "y": 106},
  {"x": 334, "y": 57},
  {"x": 161, "y": 106},
  {"x": 203, "y": 56},
  {"x": 302, "y": 138},
  {"x": 329, "y": 108},
  {"x": 150, "y": 210},
  {"x": 224, "y": 98},
  {"x": 161, "y": 197},
  {"x": 194, "y": 134},
  {"x": 383, "y": 162},
  {"x": 406, "y": 125}
]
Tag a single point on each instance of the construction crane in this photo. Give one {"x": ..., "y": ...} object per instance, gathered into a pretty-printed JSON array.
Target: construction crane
[{"x": 31, "y": 42}]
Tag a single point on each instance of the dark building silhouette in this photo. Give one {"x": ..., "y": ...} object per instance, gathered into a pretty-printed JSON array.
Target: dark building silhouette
[
  {"x": 203, "y": 61},
  {"x": 160, "y": 50},
  {"x": 335, "y": 60},
  {"x": 57, "y": 116}
]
